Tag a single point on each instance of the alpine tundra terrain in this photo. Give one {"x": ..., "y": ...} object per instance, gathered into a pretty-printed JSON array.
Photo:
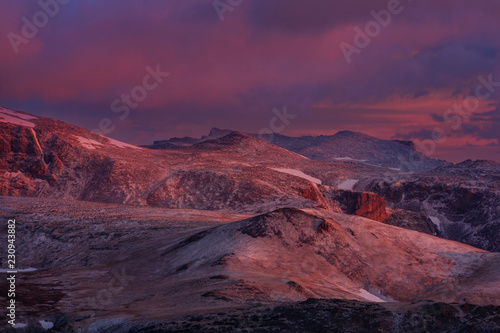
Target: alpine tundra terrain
[{"x": 236, "y": 232}]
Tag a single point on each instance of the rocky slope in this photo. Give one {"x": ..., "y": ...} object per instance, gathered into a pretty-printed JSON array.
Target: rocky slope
[
  {"x": 53, "y": 159},
  {"x": 463, "y": 200},
  {"x": 328, "y": 316},
  {"x": 369, "y": 260},
  {"x": 102, "y": 266}
]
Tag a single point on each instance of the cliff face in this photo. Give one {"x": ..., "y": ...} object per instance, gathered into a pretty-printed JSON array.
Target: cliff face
[
  {"x": 23, "y": 152},
  {"x": 462, "y": 201},
  {"x": 365, "y": 204},
  {"x": 413, "y": 221}
]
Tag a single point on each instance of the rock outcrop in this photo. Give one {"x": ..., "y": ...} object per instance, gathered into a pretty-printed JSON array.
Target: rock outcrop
[{"x": 364, "y": 204}]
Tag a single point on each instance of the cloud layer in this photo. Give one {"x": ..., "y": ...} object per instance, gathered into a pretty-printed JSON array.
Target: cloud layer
[{"x": 262, "y": 55}]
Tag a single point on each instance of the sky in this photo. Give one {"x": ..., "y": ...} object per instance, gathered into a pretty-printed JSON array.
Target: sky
[{"x": 140, "y": 71}]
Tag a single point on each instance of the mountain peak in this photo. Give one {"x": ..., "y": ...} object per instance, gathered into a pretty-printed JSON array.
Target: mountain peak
[
  {"x": 238, "y": 134},
  {"x": 232, "y": 139},
  {"x": 351, "y": 133},
  {"x": 408, "y": 143},
  {"x": 347, "y": 132},
  {"x": 218, "y": 132}
]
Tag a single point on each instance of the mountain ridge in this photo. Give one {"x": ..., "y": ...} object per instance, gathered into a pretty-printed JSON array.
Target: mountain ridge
[{"x": 344, "y": 145}]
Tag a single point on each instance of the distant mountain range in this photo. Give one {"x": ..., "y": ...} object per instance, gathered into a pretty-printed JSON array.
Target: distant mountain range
[{"x": 345, "y": 145}]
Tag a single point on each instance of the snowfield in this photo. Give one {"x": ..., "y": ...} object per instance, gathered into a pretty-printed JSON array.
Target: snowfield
[
  {"x": 300, "y": 174},
  {"x": 16, "y": 118},
  {"x": 19, "y": 270},
  {"x": 120, "y": 144},
  {"x": 46, "y": 325},
  {"x": 348, "y": 159},
  {"x": 436, "y": 221},
  {"x": 88, "y": 143},
  {"x": 347, "y": 184},
  {"x": 92, "y": 144},
  {"x": 370, "y": 297}
]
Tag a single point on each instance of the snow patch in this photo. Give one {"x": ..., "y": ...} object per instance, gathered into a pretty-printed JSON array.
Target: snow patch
[
  {"x": 46, "y": 325},
  {"x": 88, "y": 143},
  {"x": 92, "y": 144},
  {"x": 22, "y": 270},
  {"x": 369, "y": 296},
  {"x": 347, "y": 184},
  {"x": 16, "y": 118},
  {"x": 120, "y": 144},
  {"x": 17, "y": 114},
  {"x": 436, "y": 221},
  {"x": 346, "y": 158},
  {"x": 307, "y": 158},
  {"x": 104, "y": 324},
  {"x": 300, "y": 174}
]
